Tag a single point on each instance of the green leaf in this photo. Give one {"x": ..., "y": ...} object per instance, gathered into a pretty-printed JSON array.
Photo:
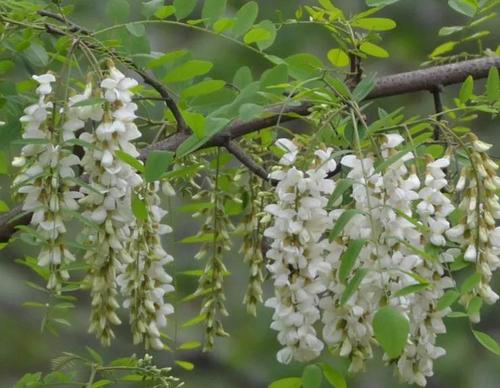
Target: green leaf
[
  {"x": 95, "y": 356},
  {"x": 185, "y": 364},
  {"x": 469, "y": 283},
  {"x": 189, "y": 345},
  {"x": 188, "y": 70},
  {"x": 136, "y": 29},
  {"x": 364, "y": 88},
  {"x": 448, "y": 298},
  {"x": 117, "y": 10},
  {"x": 165, "y": 58},
  {"x": 334, "y": 377},
  {"x": 198, "y": 238},
  {"x": 288, "y": 382},
  {"x": 312, "y": 377},
  {"x": 487, "y": 341},
  {"x": 443, "y": 48},
  {"x": 212, "y": 10},
  {"x": 342, "y": 222},
  {"x": 156, "y": 164},
  {"x": 164, "y": 12},
  {"x": 203, "y": 87},
  {"x": 139, "y": 208},
  {"x": 150, "y": 7},
  {"x": 223, "y": 24},
  {"x": 445, "y": 31},
  {"x": 374, "y": 24},
  {"x": 411, "y": 289},
  {"x": 474, "y": 306},
  {"x": 341, "y": 187},
  {"x": 348, "y": 258},
  {"x": 3, "y": 207},
  {"x": 379, "y": 3},
  {"x": 194, "y": 321},
  {"x": 6, "y": 65},
  {"x": 196, "y": 122},
  {"x": 466, "y": 90},
  {"x": 37, "y": 55},
  {"x": 192, "y": 143},
  {"x": 353, "y": 285},
  {"x": 130, "y": 160},
  {"x": 243, "y": 77},
  {"x": 303, "y": 66},
  {"x": 373, "y": 50},
  {"x": 338, "y": 57},
  {"x": 391, "y": 330},
  {"x": 244, "y": 18},
  {"x": 269, "y": 26},
  {"x": 275, "y": 76},
  {"x": 101, "y": 383},
  {"x": 493, "y": 85},
  {"x": 257, "y": 34},
  {"x": 340, "y": 87},
  {"x": 465, "y": 7},
  {"x": 249, "y": 111},
  {"x": 183, "y": 8}
]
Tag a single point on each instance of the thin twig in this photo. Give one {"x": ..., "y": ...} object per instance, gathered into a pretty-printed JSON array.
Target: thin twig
[
  {"x": 147, "y": 77},
  {"x": 248, "y": 162}
]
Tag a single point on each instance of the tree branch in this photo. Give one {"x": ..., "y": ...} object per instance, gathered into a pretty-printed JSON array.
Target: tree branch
[
  {"x": 432, "y": 77},
  {"x": 241, "y": 155}
]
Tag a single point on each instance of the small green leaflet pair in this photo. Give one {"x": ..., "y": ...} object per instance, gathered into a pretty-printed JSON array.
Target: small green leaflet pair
[{"x": 312, "y": 377}]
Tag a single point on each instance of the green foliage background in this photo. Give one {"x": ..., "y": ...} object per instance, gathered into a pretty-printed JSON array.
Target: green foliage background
[{"x": 247, "y": 359}]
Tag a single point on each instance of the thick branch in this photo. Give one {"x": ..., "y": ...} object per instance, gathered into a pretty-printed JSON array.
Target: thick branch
[
  {"x": 432, "y": 77},
  {"x": 235, "y": 130}
]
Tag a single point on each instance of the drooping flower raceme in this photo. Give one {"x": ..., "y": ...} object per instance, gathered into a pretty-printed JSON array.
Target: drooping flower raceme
[
  {"x": 394, "y": 219},
  {"x": 108, "y": 199},
  {"x": 477, "y": 232},
  {"x": 144, "y": 281},
  {"x": 45, "y": 181},
  {"x": 296, "y": 253}
]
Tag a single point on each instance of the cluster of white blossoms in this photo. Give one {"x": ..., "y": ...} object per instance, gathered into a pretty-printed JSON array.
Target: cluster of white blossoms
[
  {"x": 117, "y": 241},
  {"x": 108, "y": 197},
  {"x": 45, "y": 181},
  {"x": 477, "y": 232},
  {"x": 144, "y": 280},
  {"x": 300, "y": 221},
  {"x": 397, "y": 222}
]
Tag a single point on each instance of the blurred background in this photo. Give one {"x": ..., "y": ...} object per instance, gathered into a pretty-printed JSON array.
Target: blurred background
[{"x": 247, "y": 358}]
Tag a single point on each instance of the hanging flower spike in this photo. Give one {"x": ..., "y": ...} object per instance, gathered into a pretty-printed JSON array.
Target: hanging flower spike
[
  {"x": 296, "y": 253},
  {"x": 144, "y": 281},
  {"x": 477, "y": 232},
  {"x": 108, "y": 200},
  {"x": 44, "y": 182}
]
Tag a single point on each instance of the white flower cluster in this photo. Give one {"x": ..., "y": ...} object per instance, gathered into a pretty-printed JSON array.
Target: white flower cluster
[
  {"x": 398, "y": 221},
  {"x": 45, "y": 181},
  {"x": 296, "y": 253},
  {"x": 477, "y": 232},
  {"x": 144, "y": 281},
  {"x": 108, "y": 197},
  {"x": 117, "y": 242}
]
